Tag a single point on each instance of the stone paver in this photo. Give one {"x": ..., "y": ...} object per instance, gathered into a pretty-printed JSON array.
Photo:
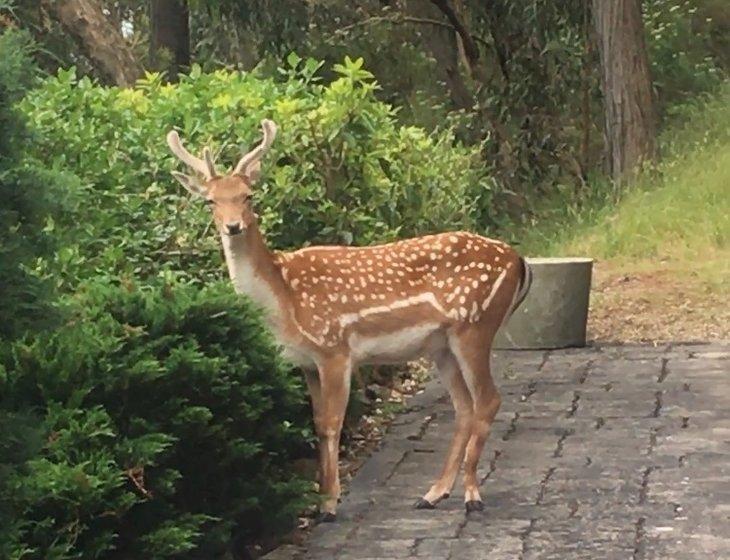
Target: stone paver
[{"x": 614, "y": 452}]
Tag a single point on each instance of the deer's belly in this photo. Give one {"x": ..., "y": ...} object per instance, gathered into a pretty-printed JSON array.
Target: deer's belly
[
  {"x": 298, "y": 356},
  {"x": 397, "y": 346}
]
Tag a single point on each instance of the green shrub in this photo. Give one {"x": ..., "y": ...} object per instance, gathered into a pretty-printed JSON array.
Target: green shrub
[
  {"x": 341, "y": 170},
  {"x": 168, "y": 424},
  {"x": 27, "y": 204},
  {"x": 28, "y": 199}
]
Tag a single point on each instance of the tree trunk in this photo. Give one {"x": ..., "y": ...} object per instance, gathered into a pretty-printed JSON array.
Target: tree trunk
[
  {"x": 626, "y": 83},
  {"x": 98, "y": 37},
  {"x": 170, "y": 36}
]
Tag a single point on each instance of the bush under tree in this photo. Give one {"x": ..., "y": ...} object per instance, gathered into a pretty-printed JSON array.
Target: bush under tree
[{"x": 342, "y": 170}]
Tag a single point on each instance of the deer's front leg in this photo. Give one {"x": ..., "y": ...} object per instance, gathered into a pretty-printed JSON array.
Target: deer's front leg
[{"x": 329, "y": 413}]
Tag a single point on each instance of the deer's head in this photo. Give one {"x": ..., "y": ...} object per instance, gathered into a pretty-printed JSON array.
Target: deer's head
[{"x": 229, "y": 196}]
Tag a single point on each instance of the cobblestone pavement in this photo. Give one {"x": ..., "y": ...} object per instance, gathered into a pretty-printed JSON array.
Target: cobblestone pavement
[{"x": 614, "y": 452}]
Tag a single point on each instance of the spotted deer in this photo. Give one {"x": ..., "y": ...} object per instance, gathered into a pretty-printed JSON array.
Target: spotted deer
[{"x": 334, "y": 308}]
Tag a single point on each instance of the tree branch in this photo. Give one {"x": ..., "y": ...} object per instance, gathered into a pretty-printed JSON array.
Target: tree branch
[
  {"x": 401, "y": 19},
  {"x": 471, "y": 51}
]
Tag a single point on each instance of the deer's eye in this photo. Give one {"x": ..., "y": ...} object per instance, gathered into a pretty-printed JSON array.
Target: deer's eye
[{"x": 209, "y": 201}]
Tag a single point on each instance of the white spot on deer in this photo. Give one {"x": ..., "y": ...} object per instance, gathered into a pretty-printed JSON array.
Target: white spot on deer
[
  {"x": 295, "y": 283},
  {"x": 463, "y": 312},
  {"x": 344, "y": 299},
  {"x": 453, "y": 238},
  {"x": 484, "y": 277}
]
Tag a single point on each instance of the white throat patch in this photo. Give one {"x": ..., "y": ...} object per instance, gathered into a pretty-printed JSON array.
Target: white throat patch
[{"x": 246, "y": 280}]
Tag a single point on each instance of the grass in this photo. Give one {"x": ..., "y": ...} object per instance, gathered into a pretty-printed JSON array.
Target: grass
[{"x": 662, "y": 244}]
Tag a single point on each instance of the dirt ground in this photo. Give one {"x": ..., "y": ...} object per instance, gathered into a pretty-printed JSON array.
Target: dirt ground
[{"x": 652, "y": 303}]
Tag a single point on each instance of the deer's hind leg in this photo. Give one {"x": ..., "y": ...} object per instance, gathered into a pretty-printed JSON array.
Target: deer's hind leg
[
  {"x": 471, "y": 346},
  {"x": 449, "y": 371}
]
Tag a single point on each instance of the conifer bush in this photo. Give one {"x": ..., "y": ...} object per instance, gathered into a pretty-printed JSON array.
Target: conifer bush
[
  {"x": 29, "y": 199},
  {"x": 28, "y": 202},
  {"x": 169, "y": 424}
]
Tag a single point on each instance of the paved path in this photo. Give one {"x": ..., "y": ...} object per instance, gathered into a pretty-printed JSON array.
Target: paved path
[{"x": 619, "y": 452}]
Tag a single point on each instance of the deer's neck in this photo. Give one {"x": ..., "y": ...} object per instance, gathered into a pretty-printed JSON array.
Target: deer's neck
[{"x": 254, "y": 273}]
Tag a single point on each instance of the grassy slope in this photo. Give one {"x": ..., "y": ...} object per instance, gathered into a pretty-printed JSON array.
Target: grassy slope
[{"x": 663, "y": 245}]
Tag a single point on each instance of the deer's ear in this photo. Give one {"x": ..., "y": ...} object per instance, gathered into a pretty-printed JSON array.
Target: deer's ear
[
  {"x": 252, "y": 172},
  {"x": 190, "y": 183}
]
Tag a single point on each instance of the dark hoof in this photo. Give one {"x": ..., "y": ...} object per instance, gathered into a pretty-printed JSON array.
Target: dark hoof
[
  {"x": 327, "y": 517},
  {"x": 423, "y": 504},
  {"x": 474, "y": 505}
]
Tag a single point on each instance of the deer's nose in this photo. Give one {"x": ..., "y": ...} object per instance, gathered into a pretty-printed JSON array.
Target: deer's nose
[{"x": 233, "y": 228}]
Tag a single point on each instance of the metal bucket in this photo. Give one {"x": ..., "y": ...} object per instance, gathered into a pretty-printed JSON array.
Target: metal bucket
[{"x": 555, "y": 311}]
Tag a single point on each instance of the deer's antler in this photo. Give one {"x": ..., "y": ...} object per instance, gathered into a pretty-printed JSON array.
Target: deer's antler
[
  {"x": 269, "y": 129},
  {"x": 204, "y": 167}
]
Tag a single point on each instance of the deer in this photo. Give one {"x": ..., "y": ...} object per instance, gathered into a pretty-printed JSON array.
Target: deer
[{"x": 334, "y": 308}]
